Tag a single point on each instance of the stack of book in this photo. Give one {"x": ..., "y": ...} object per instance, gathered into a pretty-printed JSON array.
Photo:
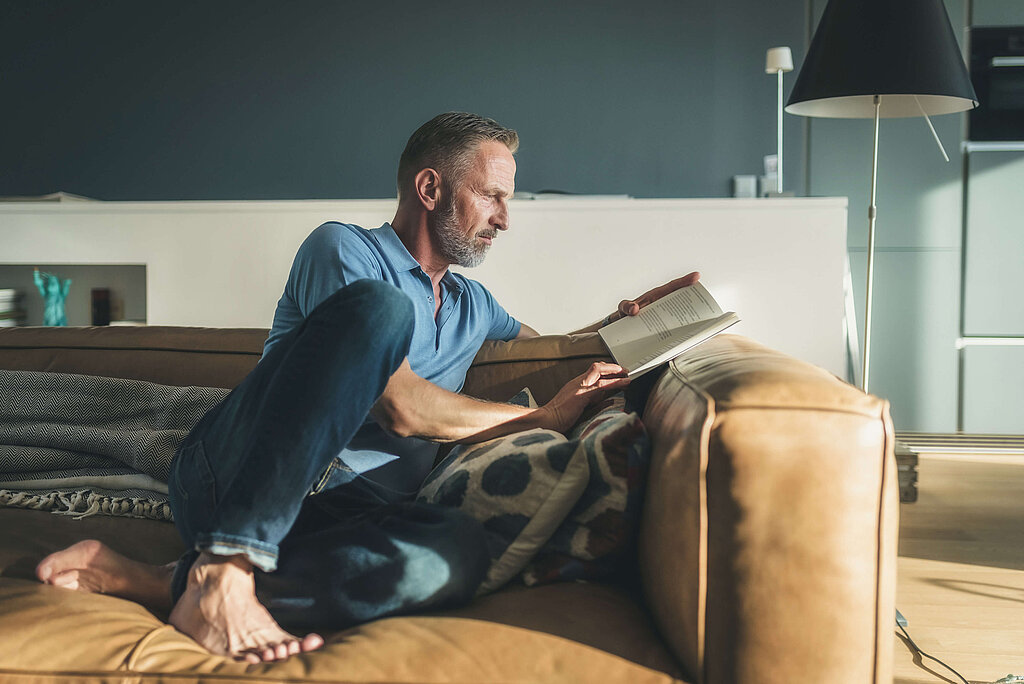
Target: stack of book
[{"x": 11, "y": 311}]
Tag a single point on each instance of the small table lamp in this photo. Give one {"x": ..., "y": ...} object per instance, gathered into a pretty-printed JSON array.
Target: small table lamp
[
  {"x": 881, "y": 58},
  {"x": 779, "y": 61}
]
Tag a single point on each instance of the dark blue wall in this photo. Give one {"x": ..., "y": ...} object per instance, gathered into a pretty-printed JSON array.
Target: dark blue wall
[{"x": 251, "y": 99}]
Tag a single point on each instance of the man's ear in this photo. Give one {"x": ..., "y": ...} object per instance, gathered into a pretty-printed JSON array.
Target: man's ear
[{"x": 428, "y": 188}]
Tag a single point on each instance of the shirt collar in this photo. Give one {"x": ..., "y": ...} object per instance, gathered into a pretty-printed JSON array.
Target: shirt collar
[
  {"x": 451, "y": 282},
  {"x": 392, "y": 248}
]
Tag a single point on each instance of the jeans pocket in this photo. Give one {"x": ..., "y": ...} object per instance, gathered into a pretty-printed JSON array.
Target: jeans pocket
[
  {"x": 325, "y": 477},
  {"x": 192, "y": 488}
]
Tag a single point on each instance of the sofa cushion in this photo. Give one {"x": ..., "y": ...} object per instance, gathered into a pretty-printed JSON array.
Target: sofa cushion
[
  {"x": 513, "y": 635},
  {"x": 520, "y": 487},
  {"x": 598, "y": 532}
]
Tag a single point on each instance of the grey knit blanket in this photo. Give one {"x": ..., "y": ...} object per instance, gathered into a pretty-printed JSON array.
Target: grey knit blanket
[{"x": 84, "y": 445}]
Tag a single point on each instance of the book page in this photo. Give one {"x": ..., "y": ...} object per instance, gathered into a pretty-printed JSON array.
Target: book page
[
  {"x": 683, "y": 307},
  {"x": 646, "y": 353},
  {"x": 665, "y": 329}
]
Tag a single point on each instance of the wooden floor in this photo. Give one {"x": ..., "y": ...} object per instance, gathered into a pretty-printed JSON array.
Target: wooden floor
[{"x": 961, "y": 569}]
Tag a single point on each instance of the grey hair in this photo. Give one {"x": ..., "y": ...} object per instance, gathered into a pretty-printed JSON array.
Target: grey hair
[{"x": 444, "y": 144}]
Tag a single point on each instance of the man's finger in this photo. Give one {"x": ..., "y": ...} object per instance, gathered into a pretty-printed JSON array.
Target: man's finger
[
  {"x": 613, "y": 383},
  {"x": 668, "y": 288},
  {"x": 606, "y": 368},
  {"x": 608, "y": 384},
  {"x": 631, "y": 307},
  {"x": 607, "y": 387},
  {"x": 600, "y": 369}
]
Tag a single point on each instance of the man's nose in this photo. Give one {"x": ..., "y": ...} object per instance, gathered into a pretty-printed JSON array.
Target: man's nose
[{"x": 500, "y": 220}]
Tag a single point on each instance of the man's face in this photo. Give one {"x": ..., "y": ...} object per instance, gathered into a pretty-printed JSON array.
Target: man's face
[{"x": 470, "y": 215}]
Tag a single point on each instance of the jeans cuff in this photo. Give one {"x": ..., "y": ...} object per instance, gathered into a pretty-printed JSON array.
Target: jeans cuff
[{"x": 260, "y": 554}]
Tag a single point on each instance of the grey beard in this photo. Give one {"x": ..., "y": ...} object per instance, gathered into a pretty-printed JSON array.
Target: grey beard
[{"x": 456, "y": 247}]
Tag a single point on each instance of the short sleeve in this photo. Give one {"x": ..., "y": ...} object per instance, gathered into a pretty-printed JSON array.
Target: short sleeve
[
  {"x": 501, "y": 325},
  {"x": 333, "y": 256}
]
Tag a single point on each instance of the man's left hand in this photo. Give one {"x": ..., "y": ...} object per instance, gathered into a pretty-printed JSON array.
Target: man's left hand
[{"x": 631, "y": 307}]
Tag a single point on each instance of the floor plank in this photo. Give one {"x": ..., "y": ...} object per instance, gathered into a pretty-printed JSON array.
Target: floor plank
[{"x": 961, "y": 569}]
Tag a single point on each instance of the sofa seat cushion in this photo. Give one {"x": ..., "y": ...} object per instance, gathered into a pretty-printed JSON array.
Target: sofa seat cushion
[{"x": 561, "y": 632}]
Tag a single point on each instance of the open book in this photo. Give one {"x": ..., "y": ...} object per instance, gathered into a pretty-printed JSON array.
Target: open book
[{"x": 665, "y": 329}]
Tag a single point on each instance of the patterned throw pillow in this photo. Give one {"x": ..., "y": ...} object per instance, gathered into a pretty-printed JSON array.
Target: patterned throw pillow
[
  {"x": 519, "y": 486},
  {"x": 598, "y": 532}
]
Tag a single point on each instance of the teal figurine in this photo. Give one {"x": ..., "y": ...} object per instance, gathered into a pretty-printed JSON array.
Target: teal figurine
[{"x": 54, "y": 293}]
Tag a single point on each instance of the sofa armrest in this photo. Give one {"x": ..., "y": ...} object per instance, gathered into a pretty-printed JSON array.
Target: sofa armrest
[
  {"x": 544, "y": 364},
  {"x": 767, "y": 547}
]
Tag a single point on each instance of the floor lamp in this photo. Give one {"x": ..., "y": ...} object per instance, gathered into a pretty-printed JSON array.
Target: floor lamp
[{"x": 872, "y": 59}]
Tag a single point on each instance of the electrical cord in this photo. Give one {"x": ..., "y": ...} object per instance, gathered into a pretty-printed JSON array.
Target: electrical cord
[{"x": 900, "y": 623}]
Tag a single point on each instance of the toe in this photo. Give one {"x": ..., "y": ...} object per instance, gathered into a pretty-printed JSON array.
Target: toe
[
  {"x": 281, "y": 651},
  {"x": 67, "y": 579},
  {"x": 268, "y": 654},
  {"x": 294, "y": 647},
  {"x": 44, "y": 570},
  {"x": 252, "y": 658},
  {"x": 311, "y": 642}
]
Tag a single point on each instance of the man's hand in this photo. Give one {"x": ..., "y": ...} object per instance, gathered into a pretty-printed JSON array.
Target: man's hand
[
  {"x": 631, "y": 307},
  {"x": 413, "y": 407},
  {"x": 566, "y": 407}
]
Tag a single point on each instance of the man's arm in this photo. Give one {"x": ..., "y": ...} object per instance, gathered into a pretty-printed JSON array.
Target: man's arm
[
  {"x": 413, "y": 407},
  {"x": 526, "y": 331}
]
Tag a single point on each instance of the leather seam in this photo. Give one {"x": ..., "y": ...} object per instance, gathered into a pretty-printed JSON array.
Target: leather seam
[
  {"x": 191, "y": 677},
  {"x": 815, "y": 409},
  {"x": 131, "y": 349},
  {"x": 710, "y": 418},
  {"x": 133, "y": 656},
  {"x": 538, "y": 359},
  {"x": 879, "y": 542}
]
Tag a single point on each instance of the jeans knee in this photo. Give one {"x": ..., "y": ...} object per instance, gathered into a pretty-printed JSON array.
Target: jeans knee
[
  {"x": 372, "y": 305},
  {"x": 392, "y": 309}
]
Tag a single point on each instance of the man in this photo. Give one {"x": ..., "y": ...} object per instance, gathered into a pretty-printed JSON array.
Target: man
[{"x": 294, "y": 496}]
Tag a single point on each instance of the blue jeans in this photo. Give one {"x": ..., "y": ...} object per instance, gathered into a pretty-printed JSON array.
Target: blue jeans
[{"x": 241, "y": 481}]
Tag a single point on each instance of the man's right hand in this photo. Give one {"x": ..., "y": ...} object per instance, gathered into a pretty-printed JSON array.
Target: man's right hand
[
  {"x": 414, "y": 407},
  {"x": 596, "y": 383}
]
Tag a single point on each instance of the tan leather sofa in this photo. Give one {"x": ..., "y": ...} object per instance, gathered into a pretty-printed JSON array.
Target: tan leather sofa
[{"x": 766, "y": 552}]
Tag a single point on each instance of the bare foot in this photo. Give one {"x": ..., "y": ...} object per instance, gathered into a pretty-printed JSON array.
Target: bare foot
[
  {"x": 93, "y": 567},
  {"x": 219, "y": 609}
]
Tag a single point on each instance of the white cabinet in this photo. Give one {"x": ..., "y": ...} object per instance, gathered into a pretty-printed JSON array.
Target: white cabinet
[
  {"x": 563, "y": 264},
  {"x": 992, "y": 355},
  {"x": 993, "y": 377},
  {"x": 994, "y": 244}
]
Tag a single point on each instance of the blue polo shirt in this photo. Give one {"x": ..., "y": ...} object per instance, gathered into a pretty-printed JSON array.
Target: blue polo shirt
[{"x": 337, "y": 254}]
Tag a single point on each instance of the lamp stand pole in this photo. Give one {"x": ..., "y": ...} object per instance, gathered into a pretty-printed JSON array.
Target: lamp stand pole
[
  {"x": 778, "y": 170},
  {"x": 871, "y": 252}
]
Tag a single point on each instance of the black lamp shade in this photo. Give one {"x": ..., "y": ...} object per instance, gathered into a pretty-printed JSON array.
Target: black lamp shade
[{"x": 902, "y": 50}]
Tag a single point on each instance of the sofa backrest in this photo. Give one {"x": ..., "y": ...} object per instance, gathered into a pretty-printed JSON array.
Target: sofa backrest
[
  {"x": 221, "y": 357},
  {"x": 179, "y": 356}
]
